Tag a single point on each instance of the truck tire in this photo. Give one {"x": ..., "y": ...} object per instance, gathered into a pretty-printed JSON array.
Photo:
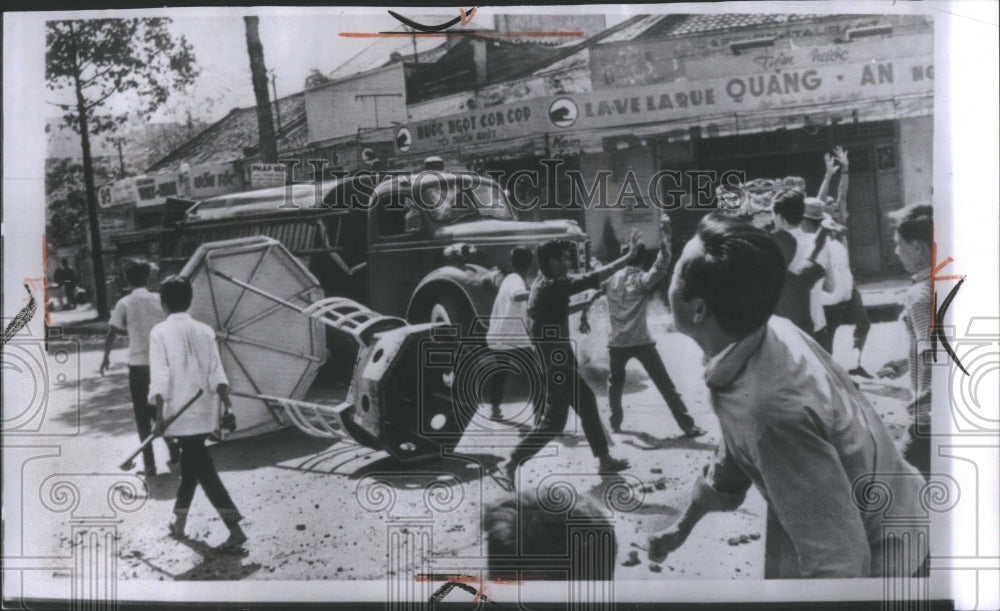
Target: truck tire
[{"x": 451, "y": 310}]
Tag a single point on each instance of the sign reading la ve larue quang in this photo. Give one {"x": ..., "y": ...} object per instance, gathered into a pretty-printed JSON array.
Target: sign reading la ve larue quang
[{"x": 760, "y": 80}]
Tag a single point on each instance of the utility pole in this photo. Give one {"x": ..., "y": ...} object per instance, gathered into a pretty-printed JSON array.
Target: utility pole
[
  {"x": 121, "y": 157},
  {"x": 274, "y": 92},
  {"x": 258, "y": 71}
]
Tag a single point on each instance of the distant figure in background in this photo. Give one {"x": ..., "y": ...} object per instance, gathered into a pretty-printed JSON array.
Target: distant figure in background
[
  {"x": 788, "y": 208},
  {"x": 508, "y": 333},
  {"x": 914, "y": 237},
  {"x": 65, "y": 277},
  {"x": 527, "y": 540},
  {"x": 795, "y": 214},
  {"x": 628, "y": 292},
  {"x": 136, "y": 314},
  {"x": 838, "y": 309},
  {"x": 184, "y": 358},
  {"x": 832, "y": 256}
]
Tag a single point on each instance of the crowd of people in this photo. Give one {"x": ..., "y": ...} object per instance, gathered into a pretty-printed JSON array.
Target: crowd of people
[{"x": 762, "y": 290}]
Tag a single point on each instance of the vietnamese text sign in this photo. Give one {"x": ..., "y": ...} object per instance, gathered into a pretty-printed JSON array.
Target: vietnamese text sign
[
  {"x": 267, "y": 175},
  {"x": 759, "y": 81}
]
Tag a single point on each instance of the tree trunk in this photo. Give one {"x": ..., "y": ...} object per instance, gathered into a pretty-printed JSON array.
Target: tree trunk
[
  {"x": 265, "y": 124},
  {"x": 96, "y": 250}
]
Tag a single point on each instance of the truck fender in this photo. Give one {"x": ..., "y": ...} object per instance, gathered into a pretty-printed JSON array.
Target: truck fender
[{"x": 474, "y": 285}]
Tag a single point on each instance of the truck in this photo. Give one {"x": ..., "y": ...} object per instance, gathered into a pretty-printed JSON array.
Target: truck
[{"x": 427, "y": 246}]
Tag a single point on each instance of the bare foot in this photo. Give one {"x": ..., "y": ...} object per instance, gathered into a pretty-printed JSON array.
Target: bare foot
[
  {"x": 177, "y": 529},
  {"x": 236, "y": 539}
]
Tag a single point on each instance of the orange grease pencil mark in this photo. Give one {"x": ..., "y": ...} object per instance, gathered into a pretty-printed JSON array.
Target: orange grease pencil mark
[{"x": 45, "y": 274}]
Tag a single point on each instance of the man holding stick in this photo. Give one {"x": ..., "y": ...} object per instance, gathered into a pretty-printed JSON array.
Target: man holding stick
[{"x": 184, "y": 359}]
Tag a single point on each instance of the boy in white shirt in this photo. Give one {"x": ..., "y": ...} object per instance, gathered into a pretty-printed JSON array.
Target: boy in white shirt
[
  {"x": 183, "y": 359},
  {"x": 137, "y": 313},
  {"x": 508, "y": 333}
]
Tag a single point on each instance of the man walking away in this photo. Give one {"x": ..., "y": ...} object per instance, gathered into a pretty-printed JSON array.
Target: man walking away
[
  {"x": 136, "y": 314},
  {"x": 628, "y": 292},
  {"x": 183, "y": 359}
]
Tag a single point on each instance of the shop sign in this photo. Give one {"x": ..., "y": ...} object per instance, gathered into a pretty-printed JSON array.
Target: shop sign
[
  {"x": 154, "y": 190},
  {"x": 264, "y": 175},
  {"x": 792, "y": 86},
  {"x": 209, "y": 180},
  {"x": 119, "y": 193},
  {"x": 767, "y": 80}
]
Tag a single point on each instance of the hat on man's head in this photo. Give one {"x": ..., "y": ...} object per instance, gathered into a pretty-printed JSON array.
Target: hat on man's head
[{"x": 814, "y": 209}]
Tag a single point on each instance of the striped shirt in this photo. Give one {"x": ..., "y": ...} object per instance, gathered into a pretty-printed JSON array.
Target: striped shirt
[{"x": 917, "y": 318}]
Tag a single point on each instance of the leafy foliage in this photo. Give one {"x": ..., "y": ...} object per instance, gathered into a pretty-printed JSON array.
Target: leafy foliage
[
  {"x": 114, "y": 57},
  {"x": 66, "y": 203}
]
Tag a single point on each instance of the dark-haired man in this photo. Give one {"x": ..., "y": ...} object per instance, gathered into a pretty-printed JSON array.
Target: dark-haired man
[
  {"x": 628, "y": 291},
  {"x": 792, "y": 422},
  {"x": 525, "y": 539},
  {"x": 548, "y": 311},
  {"x": 793, "y": 304},
  {"x": 183, "y": 359},
  {"x": 137, "y": 313},
  {"x": 914, "y": 239}
]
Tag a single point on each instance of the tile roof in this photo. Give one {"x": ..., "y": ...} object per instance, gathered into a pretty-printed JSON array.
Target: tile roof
[
  {"x": 666, "y": 26},
  {"x": 225, "y": 139}
]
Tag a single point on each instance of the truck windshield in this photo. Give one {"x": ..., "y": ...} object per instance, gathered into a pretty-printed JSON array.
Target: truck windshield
[{"x": 446, "y": 203}]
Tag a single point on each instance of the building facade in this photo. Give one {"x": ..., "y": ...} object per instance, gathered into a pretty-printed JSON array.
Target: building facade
[{"x": 613, "y": 127}]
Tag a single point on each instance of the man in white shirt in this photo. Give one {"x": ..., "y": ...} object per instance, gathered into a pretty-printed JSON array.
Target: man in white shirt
[
  {"x": 508, "y": 333},
  {"x": 136, "y": 314},
  {"x": 183, "y": 359},
  {"x": 810, "y": 237}
]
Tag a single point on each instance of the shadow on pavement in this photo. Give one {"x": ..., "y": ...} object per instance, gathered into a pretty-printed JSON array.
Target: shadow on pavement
[
  {"x": 459, "y": 468},
  {"x": 645, "y": 441},
  {"x": 267, "y": 450},
  {"x": 103, "y": 405},
  {"x": 215, "y": 565}
]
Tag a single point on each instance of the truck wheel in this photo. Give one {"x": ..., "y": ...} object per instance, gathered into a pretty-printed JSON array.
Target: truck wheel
[{"x": 449, "y": 310}]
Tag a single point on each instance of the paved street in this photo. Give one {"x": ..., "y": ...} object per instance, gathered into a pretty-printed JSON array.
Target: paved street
[{"x": 314, "y": 508}]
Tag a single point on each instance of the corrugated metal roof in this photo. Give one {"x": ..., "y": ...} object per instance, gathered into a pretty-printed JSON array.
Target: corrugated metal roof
[
  {"x": 700, "y": 24},
  {"x": 666, "y": 26},
  {"x": 224, "y": 140}
]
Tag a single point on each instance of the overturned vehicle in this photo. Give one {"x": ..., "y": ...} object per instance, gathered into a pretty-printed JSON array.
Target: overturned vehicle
[{"x": 269, "y": 315}]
